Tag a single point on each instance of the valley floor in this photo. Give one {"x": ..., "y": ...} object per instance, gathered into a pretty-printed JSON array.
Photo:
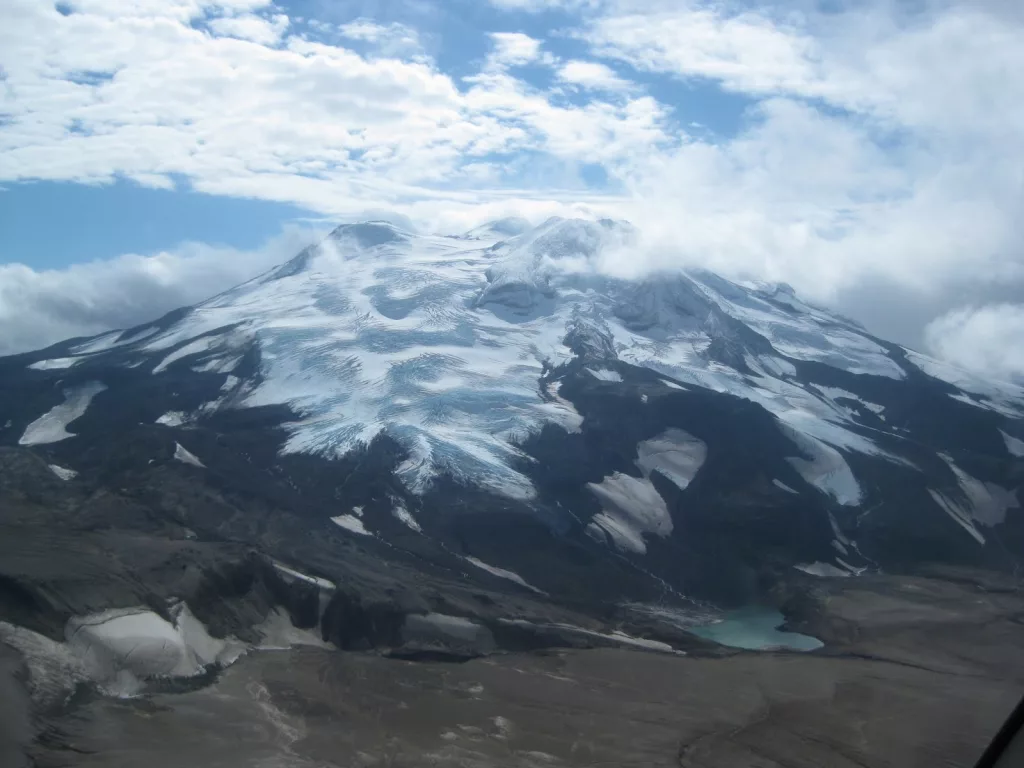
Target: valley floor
[{"x": 916, "y": 672}]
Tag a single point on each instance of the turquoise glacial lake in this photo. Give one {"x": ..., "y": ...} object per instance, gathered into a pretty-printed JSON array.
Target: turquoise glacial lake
[{"x": 755, "y": 628}]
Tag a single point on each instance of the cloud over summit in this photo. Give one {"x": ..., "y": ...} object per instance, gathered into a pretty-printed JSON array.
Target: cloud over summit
[{"x": 872, "y": 144}]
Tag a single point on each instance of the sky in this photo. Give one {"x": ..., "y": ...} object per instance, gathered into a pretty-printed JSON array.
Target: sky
[{"x": 868, "y": 152}]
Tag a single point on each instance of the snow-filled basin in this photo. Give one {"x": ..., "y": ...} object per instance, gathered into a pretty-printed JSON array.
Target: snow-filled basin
[
  {"x": 135, "y": 640},
  {"x": 755, "y": 628}
]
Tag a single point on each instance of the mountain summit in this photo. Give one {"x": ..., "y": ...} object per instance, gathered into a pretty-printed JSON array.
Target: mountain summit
[{"x": 496, "y": 406}]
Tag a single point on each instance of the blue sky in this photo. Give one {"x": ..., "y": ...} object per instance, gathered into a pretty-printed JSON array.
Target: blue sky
[
  {"x": 855, "y": 148},
  {"x": 100, "y": 222}
]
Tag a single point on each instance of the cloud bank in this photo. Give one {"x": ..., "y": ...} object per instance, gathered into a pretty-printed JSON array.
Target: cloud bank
[
  {"x": 877, "y": 158},
  {"x": 989, "y": 339},
  {"x": 38, "y": 308}
]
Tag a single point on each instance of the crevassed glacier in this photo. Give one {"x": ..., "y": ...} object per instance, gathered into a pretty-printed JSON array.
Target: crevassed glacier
[{"x": 440, "y": 343}]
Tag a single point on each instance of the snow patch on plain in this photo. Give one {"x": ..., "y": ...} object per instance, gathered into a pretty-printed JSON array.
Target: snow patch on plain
[
  {"x": 172, "y": 419},
  {"x": 136, "y": 640},
  {"x": 279, "y": 633},
  {"x": 604, "y": 374},
  {"x": 101, "y": 343},
  {"x": 1013, "y": 445},
  {"x": 351, "y": 523},
  {"x": 404, "y": 516},
  {"x": 205, "y": 648},
  {"x": 186, "y": 457},
  {"x": 502, "y": 573},
  {"x": 561, "y": 411},
  {"x": 779, "y": 484},
  {"x": 977, "y": 501},
  {"x": 675, "y": 454},
  {"x": 616, "y": 637},
  {"x": 835, "y": 393},
  {"x": 824, "y": 468},
  {"x": 56, "y": 364},
  {"x": 219, "y": 365},
  {"x": 51, "y": 427},
  {"x": 823, "y": 570},
  {"x": 202, "y": 344},
  {"x": 439, "y": 630},
  {"x": 314, "y": 580},
  {"x": 641, "y": 642},
  {"x": 62, "y": 472},
  {"x": 107, "y": 341},
  {"x": 119, "y": 648},
  {"x": 631, "y": 507},
  {"x": 959, "y": 511},
  {"x": 852, "y": 570}
]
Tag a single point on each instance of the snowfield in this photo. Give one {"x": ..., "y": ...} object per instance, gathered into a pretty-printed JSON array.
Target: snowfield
[{"x": 52, "y": 426}]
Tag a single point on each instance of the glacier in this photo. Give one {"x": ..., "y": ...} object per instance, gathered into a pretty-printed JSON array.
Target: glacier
[{"x": 454, "y": 347}]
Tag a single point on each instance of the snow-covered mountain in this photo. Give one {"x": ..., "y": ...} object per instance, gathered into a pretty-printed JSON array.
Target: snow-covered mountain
[{"x": 498, "y": 399}]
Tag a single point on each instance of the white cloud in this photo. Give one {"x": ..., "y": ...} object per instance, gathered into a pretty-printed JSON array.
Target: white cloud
[
  {"x": 747, "y": 52},
  {"x": 371, "y": 31},
  {"x": 599, "y": 132},
  {"x": 38, "y": 308},
  {"x": 881, "y": 148},
  {"x": 294, "y": 120},
  {"x": 536, "y": 6},
  {"x": 513, "y": 49},
  {"x": 592, "y": 74},
  {"x": 988, "y": 340},
  {"x": 251, "y": 27},
  {"x": 393, "y": 39},
  {"x": 182, "y": 10},
  {"x": 884, "y": 145}
]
